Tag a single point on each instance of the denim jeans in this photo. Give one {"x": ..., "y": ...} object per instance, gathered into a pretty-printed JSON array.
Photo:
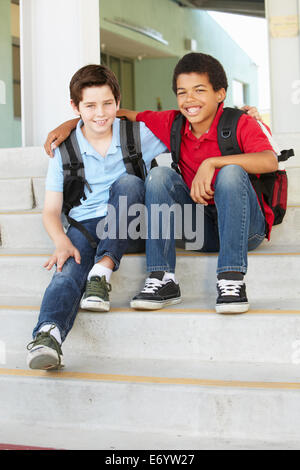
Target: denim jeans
[
  {"x": 232, "y": 227},
  {"x": 62, "y": 297}
]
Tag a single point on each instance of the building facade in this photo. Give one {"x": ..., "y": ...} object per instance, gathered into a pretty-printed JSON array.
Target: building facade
[{"x": 140, "y": 40}]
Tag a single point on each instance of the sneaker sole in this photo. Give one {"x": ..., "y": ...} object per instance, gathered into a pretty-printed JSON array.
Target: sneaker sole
[
  {"x": 44, "y": 358},
  {"x": 232, "y": 308},
  {"x": 148, "y": 305},
  {"x": 95, "y": 305}
]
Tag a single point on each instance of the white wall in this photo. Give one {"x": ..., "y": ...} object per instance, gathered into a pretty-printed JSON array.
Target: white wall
[{"x": 284, "y": 63}]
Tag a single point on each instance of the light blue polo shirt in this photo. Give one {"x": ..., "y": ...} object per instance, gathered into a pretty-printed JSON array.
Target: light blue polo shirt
[{"x": 100, "y": 172}]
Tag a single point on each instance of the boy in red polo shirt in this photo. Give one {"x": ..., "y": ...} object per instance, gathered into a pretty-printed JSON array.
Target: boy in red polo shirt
[{"x": 234, "y": 222}]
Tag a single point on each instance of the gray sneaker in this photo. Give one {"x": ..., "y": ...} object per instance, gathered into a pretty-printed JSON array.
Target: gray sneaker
[{"x": 45, "y": 352}]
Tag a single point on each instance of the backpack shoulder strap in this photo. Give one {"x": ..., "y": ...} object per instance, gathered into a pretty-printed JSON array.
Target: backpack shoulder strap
[
  {"x": 227, "y": 139},
  {"x": 131, "y": 148},
  {"x": 71, "y": 157},
  {"x": 175, "y": 140},
  {"x": 73, "y": 167},
  {"x": 228, "y": 143}
]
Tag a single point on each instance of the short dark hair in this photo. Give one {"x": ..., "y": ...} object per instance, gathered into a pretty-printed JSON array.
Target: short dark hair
[
  {"x": 91, "y": 76},
  {"x": 196, "y": 62}
]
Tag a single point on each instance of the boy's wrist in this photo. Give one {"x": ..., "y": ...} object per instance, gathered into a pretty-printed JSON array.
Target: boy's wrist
[
  {"x": 60, "y": 239},
  {"x": 210, "y": 162}
]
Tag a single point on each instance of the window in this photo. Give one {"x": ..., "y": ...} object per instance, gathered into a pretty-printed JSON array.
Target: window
[
  {"x": 15, "y": 32},
  {"x": 16, "y": 80},
  {"x": 124, "y": 71},
  {"x": 239, "y": 93}
]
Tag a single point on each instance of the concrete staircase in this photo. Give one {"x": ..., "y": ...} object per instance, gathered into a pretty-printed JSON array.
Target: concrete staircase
[{"x": 180, "y": 378}]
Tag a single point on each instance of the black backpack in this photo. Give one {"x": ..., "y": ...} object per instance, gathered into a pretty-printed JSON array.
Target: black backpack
[
  {"x": 74, "y": 174},
  {"x": 272, "y": 185}
]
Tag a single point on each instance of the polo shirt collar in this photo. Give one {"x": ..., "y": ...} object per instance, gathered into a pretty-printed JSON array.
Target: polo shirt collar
[
  {"x": 212, "y": 132},
  {"x": 87, "y": 148}
]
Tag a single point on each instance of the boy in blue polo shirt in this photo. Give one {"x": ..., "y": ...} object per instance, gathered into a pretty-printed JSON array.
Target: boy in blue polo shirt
[{"x": 83, "y": 273}]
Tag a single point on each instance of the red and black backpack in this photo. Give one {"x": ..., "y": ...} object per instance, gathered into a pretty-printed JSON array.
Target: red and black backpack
[{"x": 273, "y": 186}]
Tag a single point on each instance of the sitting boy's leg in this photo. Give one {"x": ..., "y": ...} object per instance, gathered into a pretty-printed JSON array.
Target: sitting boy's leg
[
  {"x": 241, "y": 226},
  {"x": 96, "y": 295},
  {"x": 60, "y": 306},
  {"x": 163, "y": 187},
  {"x": 127, "y": 196},
  {"x": 126, "y": 192}
]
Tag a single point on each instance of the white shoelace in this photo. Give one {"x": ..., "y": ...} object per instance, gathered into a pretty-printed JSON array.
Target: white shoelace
[
  {"x": 152, "y": 284},
  {"x": 228, "y": 287}
]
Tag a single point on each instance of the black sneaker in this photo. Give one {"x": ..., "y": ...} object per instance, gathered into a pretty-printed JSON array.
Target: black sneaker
[
  {"x": 232, "y": 297},
  {"x": 157, "y": 293},
  {"x": 45, "y": 352}
]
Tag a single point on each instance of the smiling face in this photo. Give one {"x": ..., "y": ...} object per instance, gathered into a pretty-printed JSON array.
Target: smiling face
[
  {"x": 197, "y": 100},
  {"x": 97, "y": 109}
]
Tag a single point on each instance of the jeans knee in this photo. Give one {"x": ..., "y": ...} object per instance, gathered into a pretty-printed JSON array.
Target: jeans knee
[
  {"x": 129, "y": 185},
  {"x": 229, "y": 179},
  {"x": 65, "y": 279},
  {"x": 158, "y": 178}
]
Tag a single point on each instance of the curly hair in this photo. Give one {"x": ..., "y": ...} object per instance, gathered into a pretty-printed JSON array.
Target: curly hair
[
  {"x": 196, "y": 62},
  {"x": 92, "y": 76}
]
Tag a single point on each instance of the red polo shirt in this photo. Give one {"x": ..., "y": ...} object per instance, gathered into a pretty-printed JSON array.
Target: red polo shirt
[{"x": 194, "y": 151}]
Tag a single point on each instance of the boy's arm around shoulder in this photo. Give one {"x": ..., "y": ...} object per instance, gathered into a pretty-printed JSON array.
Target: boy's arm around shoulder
[
  {"x": 128, "y": 113},
  {"x": 64, "y": 248},
  {"x": 59, "y": 135},
  {"x": 159, "y": 122}
]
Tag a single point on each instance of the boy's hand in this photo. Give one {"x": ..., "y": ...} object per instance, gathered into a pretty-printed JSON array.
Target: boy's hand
[
  {"x": 59, "y": 135},
  {"x": 201, "y": 190},
  {"x": 253, "y": 112},
  {"x": 63, "y": 252}
]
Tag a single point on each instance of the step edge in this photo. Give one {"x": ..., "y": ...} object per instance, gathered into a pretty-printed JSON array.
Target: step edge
[
  {"x": 165, "y": 310},
  {"x": 119, "y": 378},
  {"x": 142, "y": 255}
]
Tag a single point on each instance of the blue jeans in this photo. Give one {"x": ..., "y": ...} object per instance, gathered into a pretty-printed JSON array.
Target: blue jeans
[
  {"x": 62, "y": 297},
  {"x": 232, "y": 227}
]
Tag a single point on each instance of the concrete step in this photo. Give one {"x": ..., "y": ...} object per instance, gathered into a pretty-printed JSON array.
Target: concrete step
[
  {"x": 34, "y": 236},
  {"x": 26, "y": 192},
  {"x": 190, "y": 331},
  {"x": 26, "y": 277},
  {"x": 293, "y": 185},
  {"x": 24, "y": 162},
  {"x": 83, "y": 438},
  {"x": 30, "y": 224},
  {"x": 18, "y": 194},
  {"x": 256, "y": 402},
  {"x": 289, "y": 231}
]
